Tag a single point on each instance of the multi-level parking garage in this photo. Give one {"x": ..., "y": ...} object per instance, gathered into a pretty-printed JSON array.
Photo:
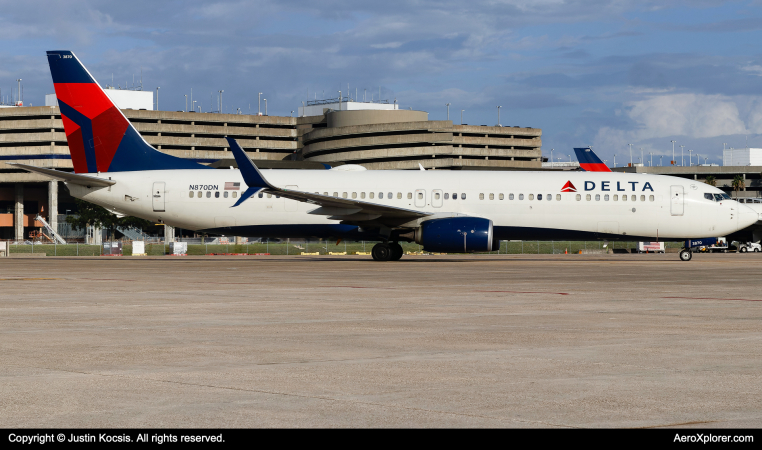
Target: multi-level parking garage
[{"x": 399, "y": 139}]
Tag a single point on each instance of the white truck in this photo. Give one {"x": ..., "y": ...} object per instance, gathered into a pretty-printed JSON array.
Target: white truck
[
  {"x": 744, "y": 247},
  {"x": 650, "y": 247}
]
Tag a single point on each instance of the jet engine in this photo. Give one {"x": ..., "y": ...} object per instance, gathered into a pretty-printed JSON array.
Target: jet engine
[{"x": 456, "y": 235}]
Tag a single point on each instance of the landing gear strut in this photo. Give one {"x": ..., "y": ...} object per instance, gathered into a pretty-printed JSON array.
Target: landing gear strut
[
  {"x": 685, "y": 254},
  {"x": 391, "y": 251}
]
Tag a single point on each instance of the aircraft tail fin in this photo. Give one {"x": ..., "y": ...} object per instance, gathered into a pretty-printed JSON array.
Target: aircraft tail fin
[
  {"x": 100, "y": 137},
  {"x": 589, "y": 161}
]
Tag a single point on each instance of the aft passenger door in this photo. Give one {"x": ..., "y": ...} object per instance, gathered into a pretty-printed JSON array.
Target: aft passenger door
[
  {"x": 676, "y": 200},
  {"x": 158, "y": 196},
  {"x": 420, "y": 198}
]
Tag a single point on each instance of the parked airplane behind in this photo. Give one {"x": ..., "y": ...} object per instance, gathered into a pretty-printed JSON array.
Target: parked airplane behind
[{"x": 445, "y": 211}]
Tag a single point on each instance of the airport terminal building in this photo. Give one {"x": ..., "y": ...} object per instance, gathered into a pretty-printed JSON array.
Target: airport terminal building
[{"x": 326, "y": 133}]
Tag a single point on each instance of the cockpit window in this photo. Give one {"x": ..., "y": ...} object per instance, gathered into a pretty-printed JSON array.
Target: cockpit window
[
  {"x": 717, "y": 197},
  {"x": 726, "y": 196},
  {"x": 709, "y": 197}
]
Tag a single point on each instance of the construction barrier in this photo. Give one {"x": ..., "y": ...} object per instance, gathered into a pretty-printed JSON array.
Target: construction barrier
[
  {"x": 363, "y": 253},
  {"x": 337, "y": 253},
  {"x": 310, "y": 254}
]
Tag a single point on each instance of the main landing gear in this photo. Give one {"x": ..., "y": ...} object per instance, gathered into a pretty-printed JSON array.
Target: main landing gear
[
  {"x": 389, "y": 251},
  {"x": 685, "y": 254}
]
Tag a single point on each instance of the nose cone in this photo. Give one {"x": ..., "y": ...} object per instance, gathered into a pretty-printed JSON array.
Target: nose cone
[{"x": 747, "y": 216}]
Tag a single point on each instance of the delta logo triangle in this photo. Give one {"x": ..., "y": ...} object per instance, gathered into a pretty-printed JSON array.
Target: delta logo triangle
[{"x": 569, "y": 187}]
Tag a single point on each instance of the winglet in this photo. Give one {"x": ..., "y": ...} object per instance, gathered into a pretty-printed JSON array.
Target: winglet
[
  {"x": 251, "y": 174},
  {"x": 419, "y": 165},
  {"x": 589, "y": 161}
]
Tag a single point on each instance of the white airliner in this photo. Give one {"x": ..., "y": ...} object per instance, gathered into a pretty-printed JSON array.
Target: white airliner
[{"x": 445, "y": 211}]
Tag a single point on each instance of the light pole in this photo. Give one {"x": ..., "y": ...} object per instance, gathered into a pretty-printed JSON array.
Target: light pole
[
  {"x": 673, "y": 152},
  {"x": 259, "y": 104},
  {"x": 642, "y": 159},
  {"x": 265, "y": 105},
  {"x": 186, "y": 102},
  {"x": 569, "y": 158},
  {"x": 651, "y": 164},
  {"x": 18, "y": 92},
  {"x": 660, "y": 160},
  {"x": 690, "y": 158},
  {"x": 615, "y": 161},
  {"x": 448, "y": 110},
  {"x": 221, "y": 91},
  {"x": 339, "y": 100},
  {"x": 292, "y": 114},
  {"x": 682, "y": 155},
  {"x": 498, "y": 116},
  {"x": 461, "y": 116},
  {"x": 630, "y": 154},
  {"x": 551, "y": 157},
  {"x": 157, "y": 98}
]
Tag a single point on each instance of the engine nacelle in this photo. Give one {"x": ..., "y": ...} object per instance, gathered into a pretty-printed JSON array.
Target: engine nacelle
[{"x": 456, "y": 235}]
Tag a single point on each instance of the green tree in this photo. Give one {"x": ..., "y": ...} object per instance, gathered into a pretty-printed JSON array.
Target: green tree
[
  {"x": 738, "y": 184},
  {"x": 711, "y": 180},
  {"x": 90, "y": 214}
]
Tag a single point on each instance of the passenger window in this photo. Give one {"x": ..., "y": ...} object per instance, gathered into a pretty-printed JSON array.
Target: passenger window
[
  {"x": 709, "y": 197},
  {"x": 362, "y": 194},
  {"x": 420, "y": 196},
  {"x": 335, "y": 194},
  {"x": 226, "y": 194},
  {"x": 597, "y": 197},
  {"x": 650, "y": 198},
  {"x": 463, "y": 196},
  {"x": 390, "y": 195},
  {"x": 492, "y": 196},
  {"x": 642, "y": 198},
  {"x": 539, "y": 197},
  {"x": 521, "y": 196},
  {"x": 616, "y": 197},
  {"x": 558, "y": 197},
  {"x": 344, "y": 194},
  {"x": 634, "y": 198},
  {"x": 325, "y": 193},
  {"x": 481, "y": 196},
  {"x": 624, "y": 198},
  {"x": 410, "y": 196},
  {"x": 269, "y": 196},
  {"x": 579, "y": 197},
  {"x": 510, "y": 196},
  {"x": 501, "y": 197},
  {"x": 380, "y": 195},
  {"x": 371, "y": 195},
  {"x": 606, "y": 197},
  {"x": 208, "y": 194},
  {"x": 260, "y": 195},
  {"x": 531, "y": 197},
  {"x": 198, "y": 194},
  {"x": 235, "y": 194},
  {"x": 277, "y": 196},
  {"x": 455, "y": 196},
  {"x": 587, "y": 197},
  {"x": 436, "y": 195},
  {"x": 354, "y": 194},
  {"x": 447, "y": 196},
  {"x": 190, "y": 194},
  {"x": 399, "y": 195},
  {"x": 217, "y": 194},
  {"x": 549, "y": 197}
]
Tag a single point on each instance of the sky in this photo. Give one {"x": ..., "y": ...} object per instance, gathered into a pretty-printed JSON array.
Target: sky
[{"x": 601, "y": 73}]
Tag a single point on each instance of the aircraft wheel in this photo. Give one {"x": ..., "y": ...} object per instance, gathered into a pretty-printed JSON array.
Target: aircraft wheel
[
  {"x": 381, "y": 252},
  {"x": 397, "y": 251},
  {"x": 685, "y": 255}
]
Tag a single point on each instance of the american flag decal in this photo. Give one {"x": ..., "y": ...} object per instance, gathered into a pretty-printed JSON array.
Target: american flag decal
[{"x": 229, "y": 186}]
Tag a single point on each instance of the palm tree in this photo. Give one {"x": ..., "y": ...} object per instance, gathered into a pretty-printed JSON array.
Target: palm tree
[
  {"x": 711, "y": 180},
  {"x": 738, "y": 184}
]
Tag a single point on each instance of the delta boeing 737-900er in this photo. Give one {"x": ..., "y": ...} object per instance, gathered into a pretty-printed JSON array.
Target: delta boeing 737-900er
[{"x": 445, "y": 211}]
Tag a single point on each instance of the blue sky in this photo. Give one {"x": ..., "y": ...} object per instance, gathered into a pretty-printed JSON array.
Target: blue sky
[{"x": 605, "y": 73}]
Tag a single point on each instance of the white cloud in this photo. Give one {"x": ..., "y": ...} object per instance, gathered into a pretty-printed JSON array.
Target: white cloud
[{"x": 694, "y": 116}]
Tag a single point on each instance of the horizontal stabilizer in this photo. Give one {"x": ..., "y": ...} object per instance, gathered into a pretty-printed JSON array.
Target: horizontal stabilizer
[{"x": 84, "y": 180}]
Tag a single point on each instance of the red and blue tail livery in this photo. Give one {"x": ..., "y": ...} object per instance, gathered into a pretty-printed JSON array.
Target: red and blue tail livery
[
  {"x": 100, "y": 137},
  {"x": 589, "y": 161}
]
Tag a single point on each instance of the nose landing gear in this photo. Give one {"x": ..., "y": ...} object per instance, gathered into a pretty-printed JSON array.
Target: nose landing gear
[{"x": 685, "y": 254}]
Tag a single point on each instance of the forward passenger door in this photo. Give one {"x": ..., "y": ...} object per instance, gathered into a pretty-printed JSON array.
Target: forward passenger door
[{"x": 676, "y": 200}]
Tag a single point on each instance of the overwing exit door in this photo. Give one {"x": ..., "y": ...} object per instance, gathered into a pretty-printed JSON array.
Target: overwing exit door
[
  {"x": 158, "y": 196},
  {"x": 676, "y": 200}
]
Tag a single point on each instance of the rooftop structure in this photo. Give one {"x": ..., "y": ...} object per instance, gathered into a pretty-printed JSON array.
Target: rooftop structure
[{"x": 742, "y": 157}]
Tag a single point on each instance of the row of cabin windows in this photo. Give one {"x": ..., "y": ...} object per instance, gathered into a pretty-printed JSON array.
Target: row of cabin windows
[
  {"x": 200, "y": 194},
  {"x": 588, "y": 197}
]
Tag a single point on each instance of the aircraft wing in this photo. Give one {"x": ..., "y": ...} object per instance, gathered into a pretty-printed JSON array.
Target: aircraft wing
[
  {"x": 350, "y": 211},
  {"x": 84, "y": 180}
]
